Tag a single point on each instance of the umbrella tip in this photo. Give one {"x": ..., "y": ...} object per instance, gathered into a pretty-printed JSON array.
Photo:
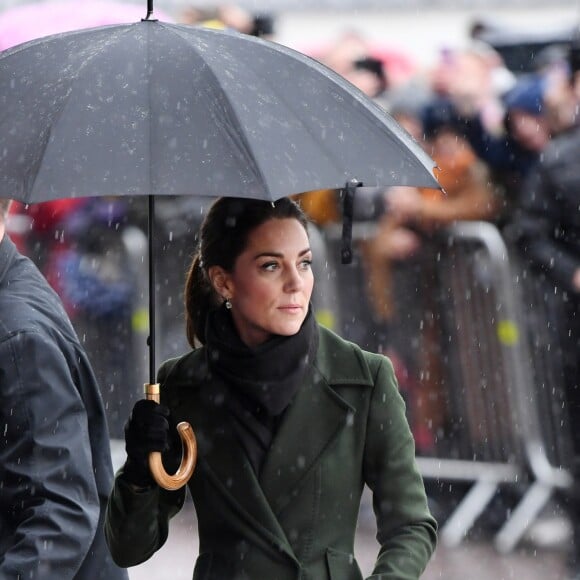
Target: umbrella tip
[{"x": 149, "y": 12}]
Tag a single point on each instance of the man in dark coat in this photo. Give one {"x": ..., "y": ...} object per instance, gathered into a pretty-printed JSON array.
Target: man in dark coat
[
  {"x": 55, "y": 463},
  {"x": 547, "y": 229}
]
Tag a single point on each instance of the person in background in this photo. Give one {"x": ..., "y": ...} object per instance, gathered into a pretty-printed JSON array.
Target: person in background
[
  {"x": 546, "y": 228},
  {"x": 511, "y": 153},
  {"x": 526, "y": 121},
  {"x": 349, "y": 46},
  {"x": 55, "y": 463},
  {"x": 368, "y": 74},
  {"x": 291, "y": 420}
]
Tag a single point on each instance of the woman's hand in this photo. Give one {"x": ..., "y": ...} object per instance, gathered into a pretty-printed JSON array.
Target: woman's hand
[{"x": 146, "y": 430}]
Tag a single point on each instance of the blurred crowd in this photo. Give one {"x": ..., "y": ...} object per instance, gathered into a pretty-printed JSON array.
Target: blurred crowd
[{"x": 487, "y": 127}]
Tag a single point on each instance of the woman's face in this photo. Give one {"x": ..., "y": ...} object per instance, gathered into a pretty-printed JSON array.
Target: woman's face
[{"x": 271, "y": 283}]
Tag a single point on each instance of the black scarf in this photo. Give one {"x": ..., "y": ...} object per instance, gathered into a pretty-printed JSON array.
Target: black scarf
[{"x": 263, "y": 380}]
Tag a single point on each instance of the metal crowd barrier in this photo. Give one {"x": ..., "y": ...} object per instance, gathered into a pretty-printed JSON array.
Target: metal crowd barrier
[
  {"x": 502, "y": 405},
  {"x": 546, "y": 432}
]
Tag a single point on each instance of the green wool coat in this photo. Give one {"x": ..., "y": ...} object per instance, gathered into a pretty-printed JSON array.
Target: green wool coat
[{"x": 297, "y": 520}]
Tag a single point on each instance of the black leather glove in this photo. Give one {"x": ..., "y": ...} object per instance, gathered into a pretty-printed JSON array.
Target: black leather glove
[{"x": 148, "y": 429}]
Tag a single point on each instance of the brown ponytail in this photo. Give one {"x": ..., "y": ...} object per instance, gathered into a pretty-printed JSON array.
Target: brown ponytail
[{"x": 200, "y": 297}]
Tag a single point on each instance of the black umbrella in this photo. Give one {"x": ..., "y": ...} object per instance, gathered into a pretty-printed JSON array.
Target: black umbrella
[
  {"x": 152, "y": 109},
  {"x": 161, "y": 109}
]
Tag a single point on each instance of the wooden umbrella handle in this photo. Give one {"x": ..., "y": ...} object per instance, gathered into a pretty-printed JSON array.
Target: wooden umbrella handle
[{"x": 188, "y": 459}]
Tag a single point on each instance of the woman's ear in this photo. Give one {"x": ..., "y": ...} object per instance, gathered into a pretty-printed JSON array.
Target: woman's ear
[{"x": 220, "y": 281}]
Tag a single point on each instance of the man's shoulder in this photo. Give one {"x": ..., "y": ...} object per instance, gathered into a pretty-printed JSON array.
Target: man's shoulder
[{"x": 40, "y": 314}]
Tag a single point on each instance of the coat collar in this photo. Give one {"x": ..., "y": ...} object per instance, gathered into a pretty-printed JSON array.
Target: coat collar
[
  {"x": 295, "y": 451},
  {"x": 341, "y": 362}
]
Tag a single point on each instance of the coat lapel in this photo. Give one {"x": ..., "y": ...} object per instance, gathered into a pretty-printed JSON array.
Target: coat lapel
[{"x": 313, "y": 421}]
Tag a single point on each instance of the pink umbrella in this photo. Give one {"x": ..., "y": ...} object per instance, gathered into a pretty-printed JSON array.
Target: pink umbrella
[{"x": 30, "y": 21}]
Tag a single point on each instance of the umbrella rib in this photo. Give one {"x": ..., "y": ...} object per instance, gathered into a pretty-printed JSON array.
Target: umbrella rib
[
  {"x": 291, "y": 107},
  {"x": 359, "y": 100},
  {"x": 255, "y": 166},
  {"x": 404, "y": 139},
  {"x": 94, "y": 53},
  {"x": 46, "y": 140},
  {"x": 243, "y": 143}
]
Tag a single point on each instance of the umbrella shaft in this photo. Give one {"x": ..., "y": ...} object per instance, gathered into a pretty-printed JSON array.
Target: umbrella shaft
[{"x": 151, "y": 339}]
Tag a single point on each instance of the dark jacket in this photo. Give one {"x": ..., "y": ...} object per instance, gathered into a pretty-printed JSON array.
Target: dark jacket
[
  {"x": 55, "y": 464},
  {"x": 297, "y": 520},
  {"x": 547, "y": 223}
]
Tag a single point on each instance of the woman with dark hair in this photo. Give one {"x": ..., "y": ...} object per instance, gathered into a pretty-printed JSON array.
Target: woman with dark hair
[{"x": 291, "y": 422}]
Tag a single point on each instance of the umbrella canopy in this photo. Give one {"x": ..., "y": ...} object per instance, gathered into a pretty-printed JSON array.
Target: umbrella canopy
[{"x": 153, "y": 108}]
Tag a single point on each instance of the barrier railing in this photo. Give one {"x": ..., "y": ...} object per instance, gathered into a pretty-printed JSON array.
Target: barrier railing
[
  {"x": 540, "y": 389},
  {"x": 501, "y": 424}
]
